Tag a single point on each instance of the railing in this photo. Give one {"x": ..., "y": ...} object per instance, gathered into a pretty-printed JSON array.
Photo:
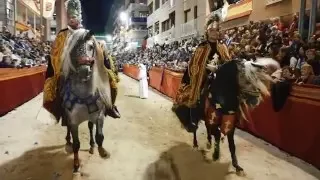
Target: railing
[
  {"x": 167, "y": 35},
  {"x": 189, "y": 28},
  {"x": 137, "y": 34},
  {"x": 139, "y": 19}
]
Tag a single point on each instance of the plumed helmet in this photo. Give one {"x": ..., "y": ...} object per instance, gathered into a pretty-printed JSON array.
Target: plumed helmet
[{"x": 74, "y": 9}]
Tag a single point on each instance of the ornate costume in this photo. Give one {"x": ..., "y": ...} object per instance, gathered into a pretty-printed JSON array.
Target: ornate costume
[
  {"x": 216, "y": 90},
  {"x": 188, "y": 104},
  {"x": 52, "y": 101}
]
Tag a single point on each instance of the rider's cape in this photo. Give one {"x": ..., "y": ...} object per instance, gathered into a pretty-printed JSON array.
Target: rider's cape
[
  {"x": 112, "y": 71},
  {"x": 187, "y": 104},
  {"x": 51, "y": 101}
]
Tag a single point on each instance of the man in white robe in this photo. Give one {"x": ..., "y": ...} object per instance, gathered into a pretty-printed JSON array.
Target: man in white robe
[{"x": 143, "y": 82}]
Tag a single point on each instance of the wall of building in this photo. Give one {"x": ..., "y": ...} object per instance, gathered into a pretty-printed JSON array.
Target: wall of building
[
  {"x": 262, "y": 11},
  {"x": 181, "y": 29},
  {"x": 2, "y": 12},
  {"x": 61, "y": 15}
]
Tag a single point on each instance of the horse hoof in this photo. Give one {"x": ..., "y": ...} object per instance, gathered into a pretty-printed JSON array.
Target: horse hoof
[
  {"x": 91, "y": 150},
  {"x": 241, "y": 173},
  {"x": 68, "y": 148},
  {"x": 195, "y": 148},
  {"x": 76, "y": 166},
  {"x": 103, "y": 153},
  {"x": 206, "y": 156},
  {"x": 76, "y": 169},
  {"x": 216, "y": 156}
]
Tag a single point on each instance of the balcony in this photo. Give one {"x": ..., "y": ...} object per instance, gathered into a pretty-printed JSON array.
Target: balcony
[
  {"x": 137, "y": 34},
  {"x": 161, "y": 38},
  {"x": 188, "y": 28},
  {"x": 137, "y": 7},
  {"x": 138, "y": 19}
]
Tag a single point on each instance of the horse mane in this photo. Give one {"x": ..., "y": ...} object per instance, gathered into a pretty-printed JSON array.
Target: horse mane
[
  {"x": 69, "y": 45},
  {"x": 258, "y": 77}
]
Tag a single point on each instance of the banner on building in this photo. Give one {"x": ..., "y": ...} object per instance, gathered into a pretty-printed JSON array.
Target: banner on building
[{"x": 35, "y": 6}]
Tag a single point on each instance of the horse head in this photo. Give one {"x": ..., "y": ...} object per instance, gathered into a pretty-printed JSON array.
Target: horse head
[
  {"x": 256, "y": 76},
  {"x": 79, "y": 53}
]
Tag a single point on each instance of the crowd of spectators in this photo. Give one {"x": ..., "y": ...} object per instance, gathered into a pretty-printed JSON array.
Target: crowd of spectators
[
  {"x": 299, "y": 57},
  {"x": 21, "y": 51},
  {"x": 174, "y": 56}
]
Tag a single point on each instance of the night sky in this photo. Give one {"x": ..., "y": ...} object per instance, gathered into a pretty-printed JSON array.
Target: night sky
[{"x": 98, "y": 15}]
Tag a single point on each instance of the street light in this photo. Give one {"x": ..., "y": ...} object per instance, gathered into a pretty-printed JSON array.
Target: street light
[
  {"x": 109, "y": 38},
  {"x": 123, "y": 16}
]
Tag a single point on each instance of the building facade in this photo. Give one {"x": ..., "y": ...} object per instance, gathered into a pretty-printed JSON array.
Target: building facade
[
  {"x": 131, "y": 25},
  {"x": 171, "y": 20},
  {"x": 7, "y": 12}
]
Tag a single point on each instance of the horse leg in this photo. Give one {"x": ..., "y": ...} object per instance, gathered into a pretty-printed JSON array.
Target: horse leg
[
  {"x": 92, "y": 143},
  {"x": 100, "y": 137},
  {"x": 68, "y": 148},
  {"x": 68, "y": 137},
  {"x": 217, "y": 135},
  {"x": 209, "y": 135},
  {"x": 76, "y": 147},
  {"x": 195, "y": 140},
  {"x": 232, "y": 149}
]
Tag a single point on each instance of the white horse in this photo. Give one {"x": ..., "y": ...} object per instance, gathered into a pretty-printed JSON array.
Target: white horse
[{"x": 85, "y": 88}]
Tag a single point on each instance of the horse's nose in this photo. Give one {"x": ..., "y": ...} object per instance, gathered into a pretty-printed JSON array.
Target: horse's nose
[{"x": 85, "y": 60}]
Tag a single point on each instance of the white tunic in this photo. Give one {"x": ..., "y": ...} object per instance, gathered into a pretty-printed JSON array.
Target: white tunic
[{"x": 143, "y": 82}]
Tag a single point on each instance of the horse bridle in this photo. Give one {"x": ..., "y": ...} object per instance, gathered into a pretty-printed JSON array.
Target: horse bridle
[{"x": 88, "y": 60}]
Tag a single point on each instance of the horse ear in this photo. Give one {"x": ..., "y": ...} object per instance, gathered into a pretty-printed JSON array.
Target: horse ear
[{"x": 89, "y": 35}]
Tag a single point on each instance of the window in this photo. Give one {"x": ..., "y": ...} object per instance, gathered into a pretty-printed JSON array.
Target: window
[
  {"x": 172, "y": 18},
  {"x": 150, "y": 31},
  {"x": 215, "y": 4},
  {"x": 9, "y": 13},
  {"x": 164, "y": 1},
  {"x": 143, "y": 13},
  {"x": 195, "y": 12},
  {"x": 165, "y": 26},
  {"x": 150, "y": 7},
  {"x": 172, "y": 2},
  {"x": 157, "y": 4},
  {"x": 143, "y": 1},
  {"x": 156, "y": 28},
  {"x": 186, "y": 14}
]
